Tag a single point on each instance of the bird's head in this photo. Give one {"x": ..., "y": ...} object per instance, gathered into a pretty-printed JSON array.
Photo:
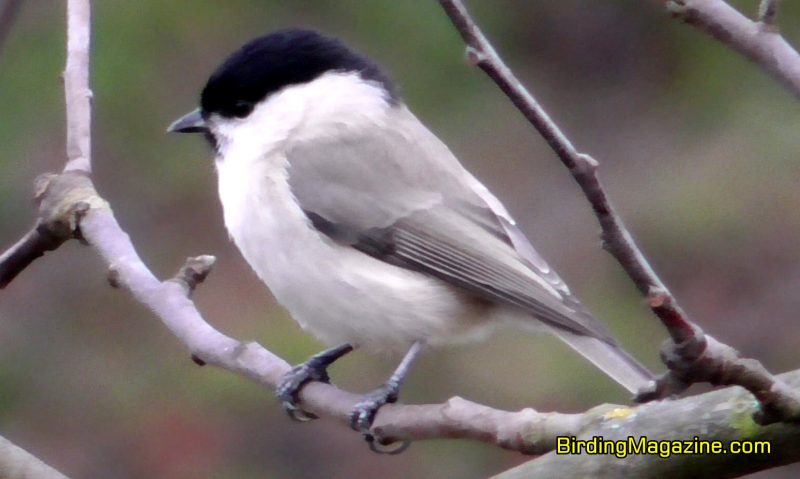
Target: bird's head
[{"x": 269, "y": 66}]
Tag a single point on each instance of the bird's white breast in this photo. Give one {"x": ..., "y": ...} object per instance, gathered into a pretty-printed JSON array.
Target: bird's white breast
[{"x": 335, "y": 291}]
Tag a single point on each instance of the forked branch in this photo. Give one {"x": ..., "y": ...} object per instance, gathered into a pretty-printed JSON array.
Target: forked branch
[{"x": 691, "y": 355}]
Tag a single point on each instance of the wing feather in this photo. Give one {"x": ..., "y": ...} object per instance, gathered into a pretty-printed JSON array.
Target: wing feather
[{"x": 415, "y": 206}]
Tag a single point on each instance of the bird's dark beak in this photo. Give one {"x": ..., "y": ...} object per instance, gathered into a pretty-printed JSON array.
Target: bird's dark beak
[{"x": 192, "y": 122}]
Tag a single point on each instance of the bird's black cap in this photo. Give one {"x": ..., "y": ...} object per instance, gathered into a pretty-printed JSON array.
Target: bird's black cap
[{"x": 271, "y": 62}]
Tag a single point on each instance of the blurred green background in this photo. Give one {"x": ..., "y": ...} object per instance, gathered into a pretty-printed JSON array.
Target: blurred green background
[{"x": 697, "y": 148}]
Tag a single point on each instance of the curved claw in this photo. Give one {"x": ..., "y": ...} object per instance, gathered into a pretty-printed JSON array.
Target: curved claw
[
  {"x": 315, "y": 369},
  {"x": 389, "y": 449},
  {"x": 297, "y": 413},
  {"x": 364, "y": 414},
  {"x": 289, "y": 389}
]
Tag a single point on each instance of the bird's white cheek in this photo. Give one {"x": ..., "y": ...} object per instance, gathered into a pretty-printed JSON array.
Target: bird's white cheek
[{"x": 224, "y": 132}]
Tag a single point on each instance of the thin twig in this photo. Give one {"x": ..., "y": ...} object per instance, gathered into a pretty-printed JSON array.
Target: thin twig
[
  {"x": 48, "y": 233},
  {"x": 34, "y": 244},
  {"x": 616, "y": 237},
  {"x": 763, "y": 46},
  {"x": 8, "y": 15},
  {"x": 691, "y": 355},
  {"x": 57, "y": 222},
  {"x": 76, "y": 87},
  {"x": 768, "y": 12}
]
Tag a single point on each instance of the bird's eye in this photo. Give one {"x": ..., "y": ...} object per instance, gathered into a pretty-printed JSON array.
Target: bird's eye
[{"x": 241, "y": 108}]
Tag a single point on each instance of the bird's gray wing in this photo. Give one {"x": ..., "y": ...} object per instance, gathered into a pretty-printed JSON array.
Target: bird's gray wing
[{"x": 399, "y": 195}]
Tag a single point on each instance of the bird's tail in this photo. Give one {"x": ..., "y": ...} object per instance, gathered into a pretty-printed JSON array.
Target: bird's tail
[{"x": 610, "y": 358}]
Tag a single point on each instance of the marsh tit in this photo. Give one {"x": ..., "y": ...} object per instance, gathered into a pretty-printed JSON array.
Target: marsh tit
[{"x": 363, "y": 224}]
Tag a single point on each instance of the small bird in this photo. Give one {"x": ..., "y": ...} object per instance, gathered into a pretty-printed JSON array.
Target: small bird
[{"x": 364, "y": 225}]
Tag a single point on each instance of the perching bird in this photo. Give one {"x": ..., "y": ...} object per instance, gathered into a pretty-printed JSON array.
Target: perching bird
[{"x": 363, "y": 224}]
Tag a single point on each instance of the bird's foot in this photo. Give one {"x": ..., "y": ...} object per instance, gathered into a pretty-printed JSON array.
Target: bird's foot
[
  {"x": 315, "y": 369},
  {"x": 364, "y": 412},
  {"x": 291, "y": 384}
]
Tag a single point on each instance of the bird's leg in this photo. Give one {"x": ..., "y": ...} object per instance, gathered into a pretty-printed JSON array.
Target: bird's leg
[
  {"x": 315, "y": 369},
  {"x": 364, "y": 412}
]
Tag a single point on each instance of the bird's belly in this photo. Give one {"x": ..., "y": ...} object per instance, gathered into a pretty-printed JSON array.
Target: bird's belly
[
  {"x": 363, "y": 301},
  {"x": 334, "y": 291}
]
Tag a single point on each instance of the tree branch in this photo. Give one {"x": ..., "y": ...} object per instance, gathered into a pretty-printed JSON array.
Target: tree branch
[
  {"x": 17, "y": 463},
  {"x": 691, "y": 355},
  {"x": 55, "y": 225},
  {"x": 170, "y": 302},
  {"x": 76, "y": 87},
  {"x": 723, "y": 415},
  {"x": 71, "y": 208},
  {"x": 70, "y": 205},
  {"x": 34, "y": 244},
  {"x": 8, "y": 14},
  {"x": 760, "y": 42},
  {"x": 526, "y": 431},
  {"x": 583, "y": 168}
]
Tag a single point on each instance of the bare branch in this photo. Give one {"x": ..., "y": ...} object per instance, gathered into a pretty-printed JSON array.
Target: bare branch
[
  {"x": 768, "y": 12},
  {"x": 691, "y": 356},
  {"x": 69, "y": 201},
  {"x": 8, "y": 14},
  {"x": 76, "y": 87},
  {"x": 56, "y": 224},
  {"x": 763, "y": 46},
  {"x": 168, "y": 300},
  {"x": 34, "y": 244},
  {"x": 722, "y": 415},
  {"x": 17, "y": 463},
  {"x": 50, "y": 232},
  {"x": 70, "y": 206},
  {"x": 583, "y": 168},
  {"x": 526, "y": 431}
]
